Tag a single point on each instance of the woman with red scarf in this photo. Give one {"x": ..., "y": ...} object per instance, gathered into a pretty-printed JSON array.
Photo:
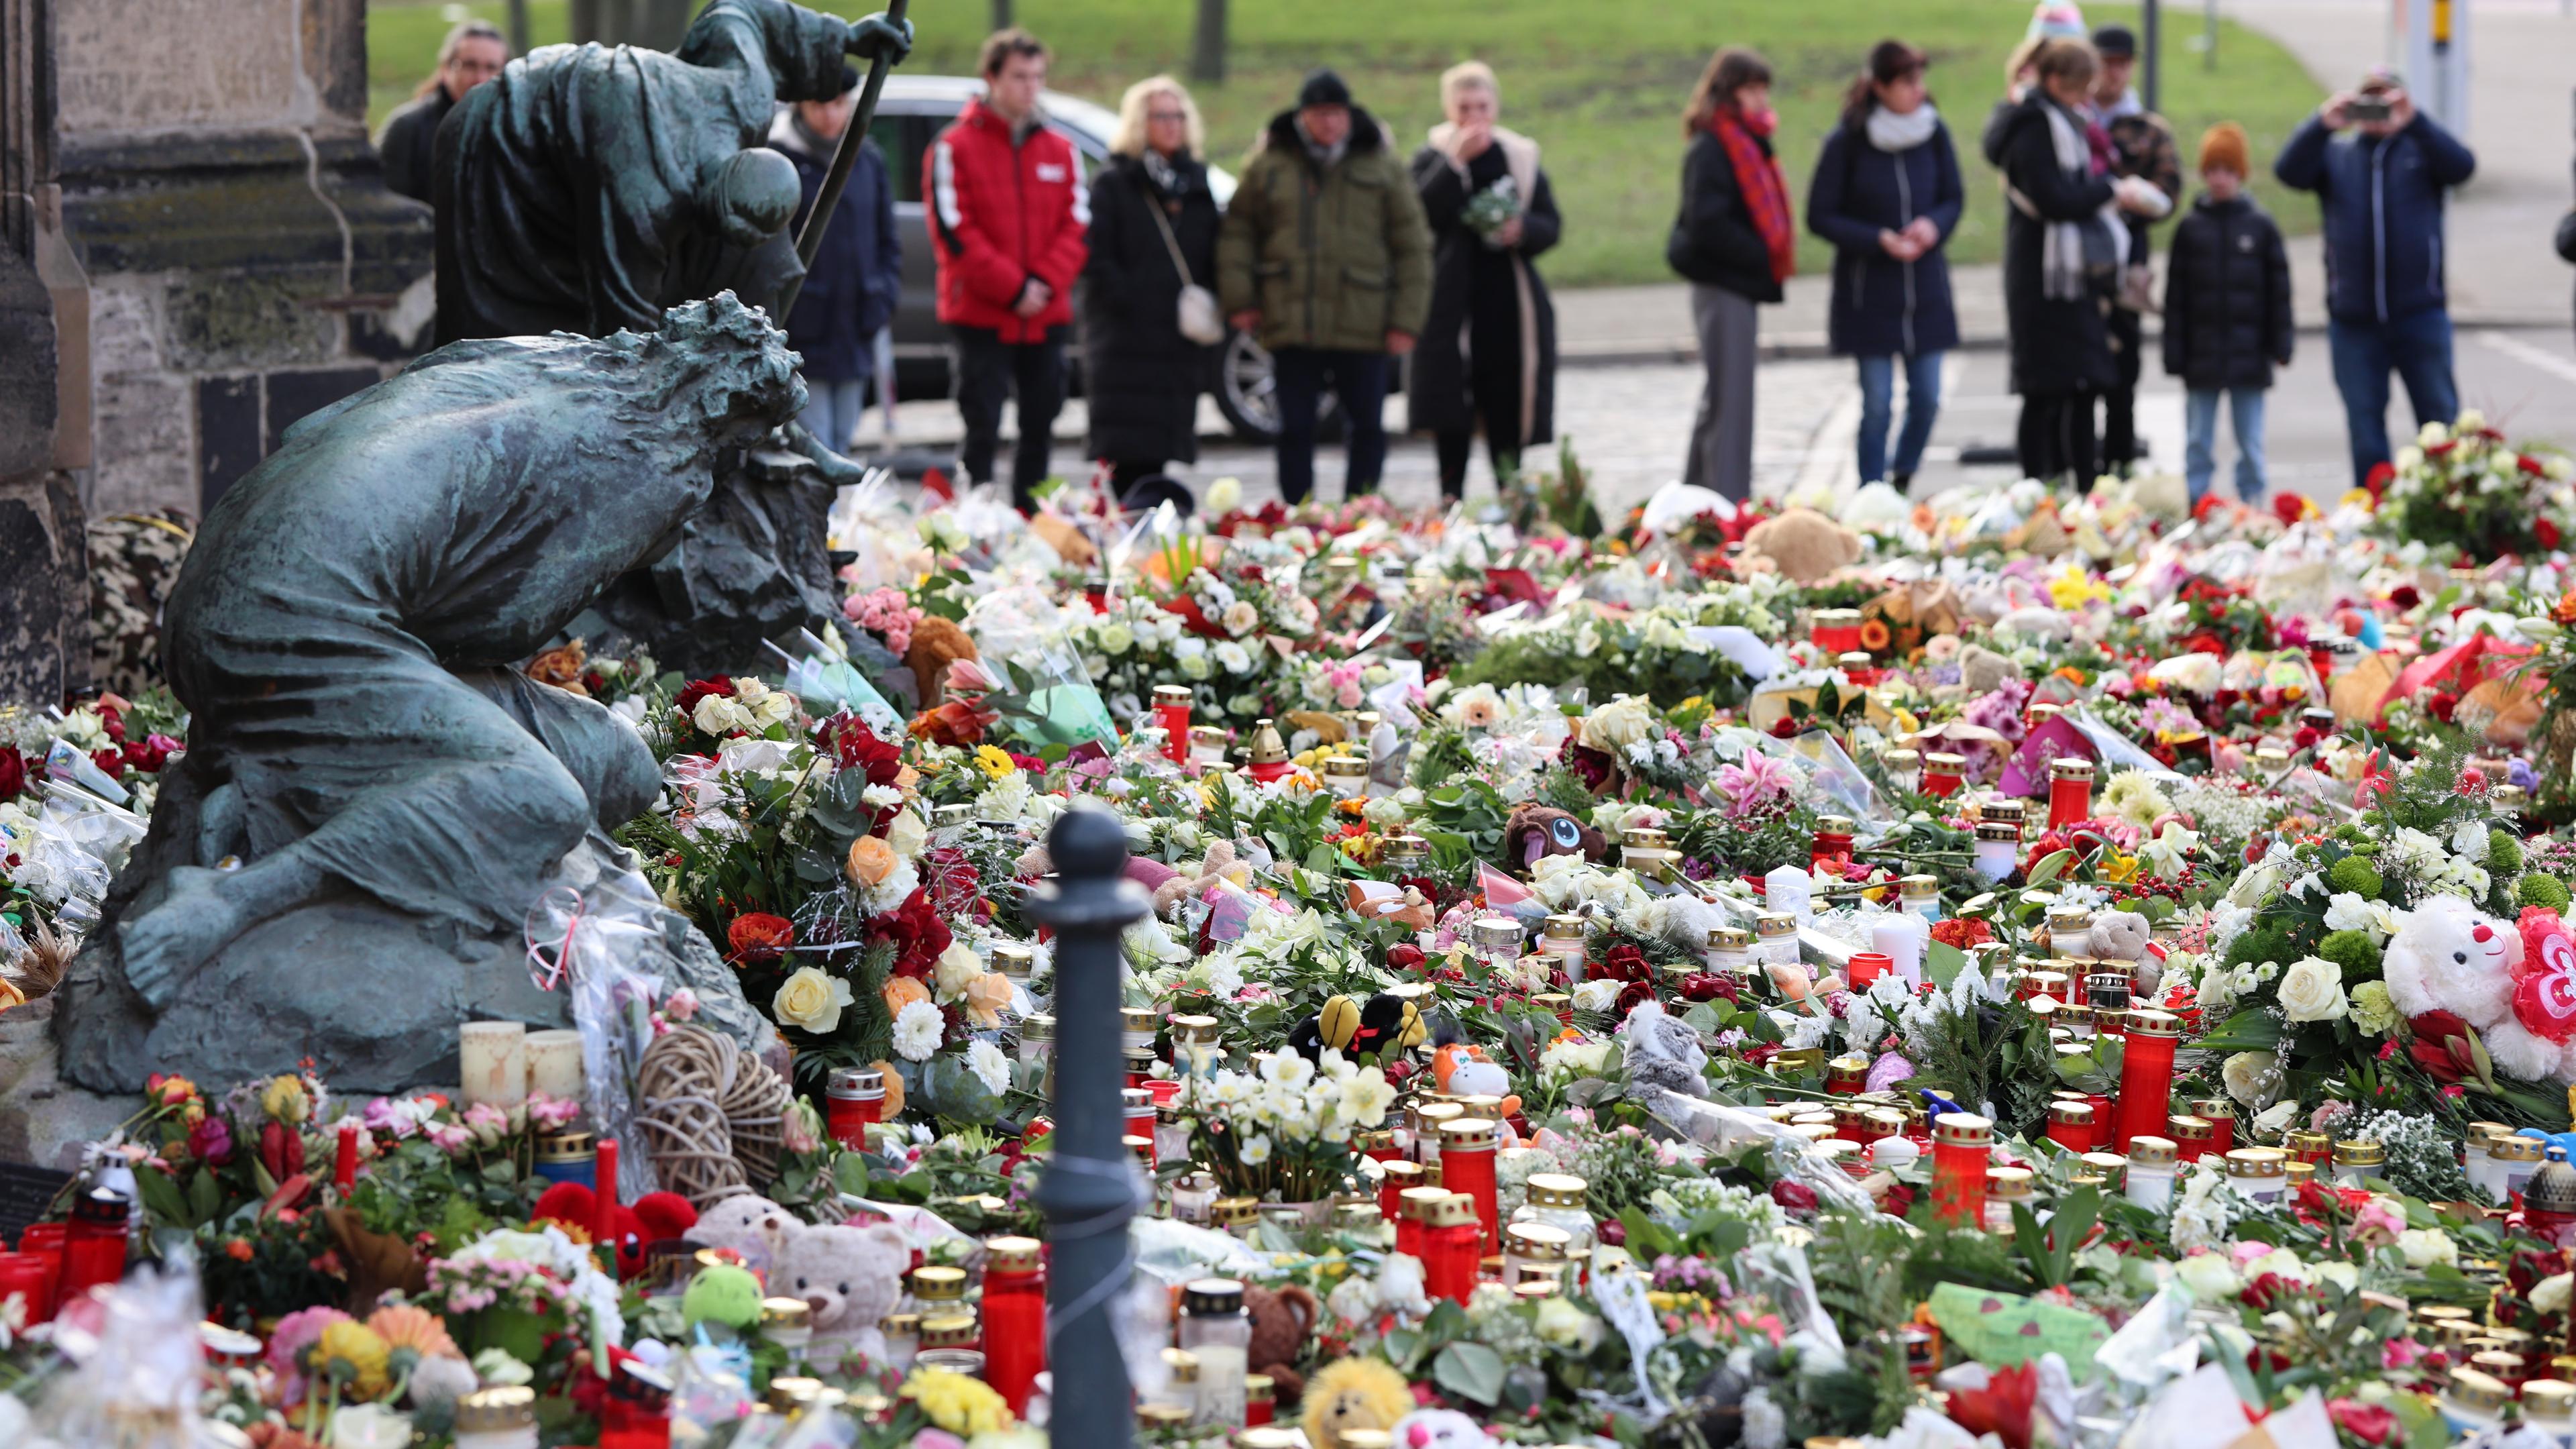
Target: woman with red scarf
[{"x": 1735, "y": 241}]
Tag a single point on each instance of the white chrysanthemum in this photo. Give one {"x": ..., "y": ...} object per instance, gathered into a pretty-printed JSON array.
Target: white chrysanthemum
[
  {"x": 2346, "y": 911},
  {"x": 917, "y": 1031},
  {"x": 889, "y": 894},
  {"x": 988, "y": 1064}
]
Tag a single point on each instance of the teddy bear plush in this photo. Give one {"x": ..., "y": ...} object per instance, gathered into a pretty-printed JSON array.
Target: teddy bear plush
[
  {"x": 1283, "y": 1318},
  {"x": 1532, "y": 831},
  {"x": 2115, "y": 936},
  {"x": 750, "y": 1227},
  {"x": 850, "y": 1276},
  {"x": 1354, "y": 1393},
  {"x": 1802, "y": 545},
  {"x": 655, "y": 1217},
  {"x": 1662, "y": 1051},
  {"x": 1441, "y": 1429},
  {"x": 2445, "y": 956},
  {"x": 1984, "y": 671},
  {"x": 936, "y": 643}
]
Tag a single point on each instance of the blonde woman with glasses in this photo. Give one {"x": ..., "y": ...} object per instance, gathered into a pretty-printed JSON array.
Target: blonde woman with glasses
[{"x": 1153, "y": 235}]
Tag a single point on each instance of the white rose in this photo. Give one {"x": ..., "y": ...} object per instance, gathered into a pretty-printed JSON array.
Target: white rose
[
  {"x": 2550, "y": 1295},
  {"x": 1595, "y": 995},
  {"x": 1240, "y": 618},
  {"x": 2312, "y": 990},
  {"x": 1233, "y": 657},
  {"x": 1620, "y": 723},
  {"x": 2342, "y": 1275},
  {"x": 2248, "y": 1075},
  {"x": 1225, "y": 495},
  {"x": 2209, "y": 1276},
  {"x": 957, "y": 968},
  {"x": 811, "y": 1000},
  {"x": 2424, "y": 1247},
  {"x": 907, "y": 834},
  {"x": 1193, "y": 667},
  {"x": 1114, "y": 638}
]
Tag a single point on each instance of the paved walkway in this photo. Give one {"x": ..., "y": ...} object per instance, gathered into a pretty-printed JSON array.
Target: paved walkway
[{"x": 2501, "y": 269}]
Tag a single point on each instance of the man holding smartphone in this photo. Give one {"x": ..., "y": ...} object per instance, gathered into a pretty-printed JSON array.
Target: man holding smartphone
[{"x": 2379, "y": 168}]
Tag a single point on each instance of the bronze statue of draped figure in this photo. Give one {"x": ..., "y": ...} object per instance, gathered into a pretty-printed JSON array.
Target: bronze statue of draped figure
[{"x": 588, "y": 188}]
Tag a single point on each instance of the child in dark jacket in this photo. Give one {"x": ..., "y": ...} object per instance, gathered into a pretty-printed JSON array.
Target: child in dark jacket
[{"x": 2227, "y": 314}]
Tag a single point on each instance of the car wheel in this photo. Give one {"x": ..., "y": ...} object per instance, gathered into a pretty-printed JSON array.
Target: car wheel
[{"x": 1247, "y": 392}]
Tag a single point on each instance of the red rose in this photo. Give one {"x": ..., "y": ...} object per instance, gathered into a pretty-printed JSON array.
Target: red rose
[
  {"x": 2369, "y": 1423},
  {"x": 2547, "y": 533},
  {"x": 1634, "y": 995},
  {"x": 758, "y": 938},
  {"x": 698, "y": 689},
  {"x": 2377, "y": 480},
  {"x": 918, "y": 933},
  {"x": 1406, "y": 957},
  {"x": 1623, "y": 962},
  {"x": 2269, "y": 1289},
  {"x": 13, "y": 771},
  {"x": 1795, "y": 1196},
  {"x": 857, "y": 747},
  {"x": 2289, "y": 507},
  {"x": 110, "y": 762},
  {"x": 2404, "y": 597},
  {"x": 111, "y": 720}
]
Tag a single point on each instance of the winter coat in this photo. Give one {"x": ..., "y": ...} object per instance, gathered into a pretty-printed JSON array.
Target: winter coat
[
  {"x": 1003, "y": 212},
  {"x": 1714, "y": 241},
  {"x": 1333, "y": 258},
  {"x": 405, "y": 143},
  {"x": 2381, "y": 199},
  {"x": 2567, "y": 237},
  {"x": 1142, "y": 376},
  {"x": 2143, "y": 146},
  {"x": 851, "y": 290},
  {"x": 1881, "y": 306},
  {"x": 2059, "y": 345},
  {"x": 1438, "y": 385},
  {"x": 2227, "y": 296}
]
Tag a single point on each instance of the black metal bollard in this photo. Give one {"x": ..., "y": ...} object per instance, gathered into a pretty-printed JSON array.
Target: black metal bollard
[{"x": 1089, "y": 1191}]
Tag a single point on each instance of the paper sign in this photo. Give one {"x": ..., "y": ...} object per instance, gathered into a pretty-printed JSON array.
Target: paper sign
[
  {"x": 1758, "y": 660},
  {"x": 2003, "y": 1330}
]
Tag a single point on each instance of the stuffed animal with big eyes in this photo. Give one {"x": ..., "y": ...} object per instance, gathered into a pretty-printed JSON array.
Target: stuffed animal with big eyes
[
  {"x": 1532, "y": 831},
  {"x": 1353, "y": 1029}
]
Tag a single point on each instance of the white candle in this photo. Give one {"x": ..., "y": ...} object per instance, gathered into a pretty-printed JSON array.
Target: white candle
[
  {"x": 1899, "y": 935},
  {"x": 554, "y": 1064},
  {"x": 1788, "y": 890},
  {"x": 492, "y": 1063}
]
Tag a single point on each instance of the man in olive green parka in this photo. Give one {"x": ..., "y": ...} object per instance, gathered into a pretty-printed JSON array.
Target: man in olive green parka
[{"x": 1326, "y": 258}]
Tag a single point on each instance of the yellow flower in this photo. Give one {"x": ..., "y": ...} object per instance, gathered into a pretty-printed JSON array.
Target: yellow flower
[
  {"x": 2118, "y": 869},
  {"x": 286, "y": 1100},
  {"x": 1904, "y": 723},
  {"x": 994, "y": 761},
  {"x": 354, "y": 1354},
  {"x": 2074, "y": 589},
  {"x": 956, "y": 1403},
  {"x": 811, "y": 999}
]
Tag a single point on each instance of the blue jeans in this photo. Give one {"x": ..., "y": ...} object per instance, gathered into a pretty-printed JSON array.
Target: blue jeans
[
  {"x": 2418, "y": 347},
  {"x": 1359, "y": 378},
  {"x": 833, "y": 410},
  {"x": 1878, "y": 405},
  {"x": 2200, "y": 450}
]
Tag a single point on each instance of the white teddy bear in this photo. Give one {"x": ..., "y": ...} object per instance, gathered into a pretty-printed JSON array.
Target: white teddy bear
[
  {"x": 2446, "y": 956},
  {"x": 850, "y": 1277}
]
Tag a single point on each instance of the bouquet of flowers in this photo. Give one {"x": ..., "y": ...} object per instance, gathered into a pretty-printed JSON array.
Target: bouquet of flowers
[
  {"x": 1282, "y": 1130},
  {"x": 2463, "y": 491},
  {"x": 1490, "y": 208}
]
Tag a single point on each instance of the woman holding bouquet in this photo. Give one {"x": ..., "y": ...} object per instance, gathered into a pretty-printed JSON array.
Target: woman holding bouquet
[{"x": 1489, "y": 352}]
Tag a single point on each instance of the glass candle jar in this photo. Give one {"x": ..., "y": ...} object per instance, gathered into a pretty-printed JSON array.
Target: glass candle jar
[
  {"x": 2220, "y": 1114},
  {"x": 2005, "y": 1187},
  {"x": 1847, "y": 1076},
  {"x": 937, "y": 1289},
  {"x": 1835, "y": 631},
  {"x": 2256, "y": 1172},
  {"x": 1392, "y": 1180},
  {"x": 2070, "y": 1124},
  {"x": 1452, "y": 1247},
  {"x": 2313, "y": 1147},
  {"x": 1904, "y": 767},
  {"x": 2146, "y": 1074},
  {"x": 788, "y": 1323},
  {"x": 2473, "y": 1402},
  {"x": 1943, "y": 774},
  {"x": 1346, "y": 777},
  {"x": 1236, "y": 1215},
  {"x": 1556, "y": 1199},
  {"x": 1014, "y": 1318},
  {"x": 2191, "y": 1135},
  {"x": 1260, "y": 1399},
  {"x": 1427, "y": 1120},
  {"x": 1775, "y": 939},
  {"x": 1207, "y": 746},
  {"x": 1172, "y": 712},
  {"x": 854, "y": 1100},
  {"x": 1962, "y": 1149},
  {"x": 1467, "y": 1148},
  {"x": 2152, "y": 1165},
  {"x": 1562, "y": 937},
  {"x": 1998, "y": 850},
  {"x": 1832, "y": 843},
  {"x": 1919, "y": 895},
  {"x": 1036, "y": 1038},
  {"x": 2549, "y": 1405},
  {"x": 502, "y": 1418},
  {"x": 94, "y": 1244},
  {"x": 1865, "y": 967},
  {"x": 2517, "y": 1156},
  {"x": 2355, "y": 1159},
  {"x": 566, "y": 1156},
  {"x": 1214, "y": 1328},
  {"x": 1538, "y": 1247},
  {"x": 1413, "y": 1208},
  {"x": 902, "y": 1334},
  {"x": 1193, "y": 1198},
  {"x": 1497, "y": 940},
  {"x": 2070, "y": 792}
]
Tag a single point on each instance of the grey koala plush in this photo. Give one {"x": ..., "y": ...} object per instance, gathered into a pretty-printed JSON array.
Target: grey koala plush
[{"x": 1662, "y": 1052}]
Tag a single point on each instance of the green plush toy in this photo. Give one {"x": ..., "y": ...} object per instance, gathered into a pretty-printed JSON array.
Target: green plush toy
[{"x": 722, "y": 1294}]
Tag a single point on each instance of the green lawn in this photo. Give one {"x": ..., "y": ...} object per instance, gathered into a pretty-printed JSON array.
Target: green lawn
[{"x": 1602, "y": 95}]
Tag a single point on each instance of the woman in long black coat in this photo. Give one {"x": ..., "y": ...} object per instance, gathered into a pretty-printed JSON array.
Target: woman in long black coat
[
  {"x": 1142, "y": 377},
  {"x": 2053, "y": 298},
  {"x": 1488, "y": 354}
]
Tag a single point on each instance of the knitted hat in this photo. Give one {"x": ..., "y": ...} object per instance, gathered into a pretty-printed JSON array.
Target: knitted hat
[
  {"x": 1323, "y": 88},
  {"x": 2223, "y": 147},
  {"x": 2116, "y": 42},
  {"x": 2056, "y": 20}
]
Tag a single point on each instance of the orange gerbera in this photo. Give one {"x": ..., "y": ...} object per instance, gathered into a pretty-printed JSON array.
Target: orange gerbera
[{"x": 1874, "y": 635}]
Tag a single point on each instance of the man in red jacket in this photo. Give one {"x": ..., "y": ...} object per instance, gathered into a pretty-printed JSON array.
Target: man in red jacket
[{"x": 1007, "y": 216}]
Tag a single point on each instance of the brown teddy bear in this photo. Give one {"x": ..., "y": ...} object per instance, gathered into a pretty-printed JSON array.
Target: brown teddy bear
[
  {"x": 1283, "y": 1318},
  {"x": 1535, "y": 830},
  {"x": 936, "y": 642},
  {"x": 1802, "y": 544}
]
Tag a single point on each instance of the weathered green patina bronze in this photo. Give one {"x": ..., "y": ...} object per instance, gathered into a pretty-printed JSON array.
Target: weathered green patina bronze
[
  {"x": 372, "y": 796},
  {"x": 590, "y": 187}
]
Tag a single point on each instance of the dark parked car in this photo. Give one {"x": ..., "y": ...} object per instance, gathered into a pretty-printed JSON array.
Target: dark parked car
[{"x": 909, "y": 114}]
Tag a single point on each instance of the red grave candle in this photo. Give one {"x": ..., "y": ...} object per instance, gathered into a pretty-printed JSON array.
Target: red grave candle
[
  {"x": 1944, "y": 774},
  {"x": 2070, "y": 793},
  {"x": 2106, "y": 1122},
  {"x": 637, "y": 1414},
  {"x": 1867, "y": 967},
  {"x": 44, "y": 1242},
  {"x": 2070, "y": 1124},
  {"x": 2222, "y": 1123},
  {"x": 603, "y": 1217},
  {"x": 344, "y": 1160},
  {"x": 1467, "y": 1147},
  {"x": 1172, "y": 712},
  {"x": 1393, "y": 1177},
  {"x": 1413, "y": 1204},
  {"x": 1848, "y": 1076},
  {"x": 854, "y": 1100},
  {"x": 1452, "y": 1248},
  {"x": 2146, "y": 1075},
  {"x": 1962, "y": 1145},
  {"x": 1014, "y": 1318},
  {"x": 1832, "y": 844},
  {"x": 94, "y": 1244}
]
